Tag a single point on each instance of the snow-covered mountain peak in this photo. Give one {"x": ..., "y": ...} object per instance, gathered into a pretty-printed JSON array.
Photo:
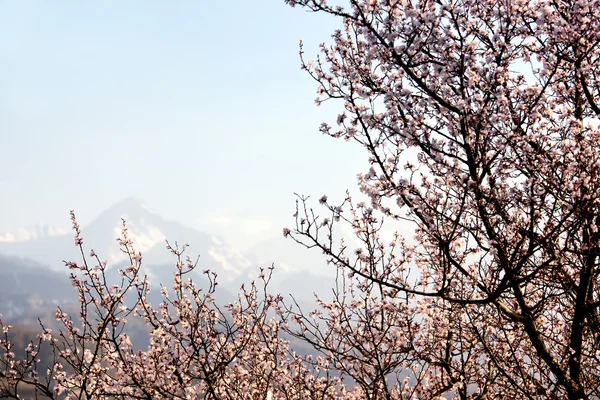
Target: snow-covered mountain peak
[
  {"x": 144, "y": 236},
  {"x": 148, "y": 231},
  {"x": 36, "y": 231}
]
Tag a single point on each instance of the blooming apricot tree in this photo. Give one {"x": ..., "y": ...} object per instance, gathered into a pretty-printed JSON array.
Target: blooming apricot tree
[
  {"x": 481, "y": 123},
  {"x": 480, "y": 119}
]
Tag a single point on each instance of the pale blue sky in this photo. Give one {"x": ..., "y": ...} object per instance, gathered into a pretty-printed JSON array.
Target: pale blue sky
[{"x": 197, "y": 107}]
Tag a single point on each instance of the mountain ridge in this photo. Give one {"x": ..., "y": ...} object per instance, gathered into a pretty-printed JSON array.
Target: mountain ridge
[
  {"x": 33, "y": 274},
  {"x": 146, "y": 228}
]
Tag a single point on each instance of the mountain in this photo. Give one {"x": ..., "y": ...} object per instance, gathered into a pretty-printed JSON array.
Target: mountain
[
  {"x": 33, "y": 275},
  {"x": 27, "y": 286},
  {"x": 148, "y": 230}
]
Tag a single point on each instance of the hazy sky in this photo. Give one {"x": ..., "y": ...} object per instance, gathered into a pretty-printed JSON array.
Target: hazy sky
[{"x": 199, "y": 108}]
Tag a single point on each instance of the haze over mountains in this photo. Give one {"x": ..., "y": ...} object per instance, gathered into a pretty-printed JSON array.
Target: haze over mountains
[{"x": 32, "y": 271}]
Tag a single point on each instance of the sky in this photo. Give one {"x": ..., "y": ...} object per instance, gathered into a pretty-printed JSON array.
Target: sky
[{"x": 198, "y": 108}]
